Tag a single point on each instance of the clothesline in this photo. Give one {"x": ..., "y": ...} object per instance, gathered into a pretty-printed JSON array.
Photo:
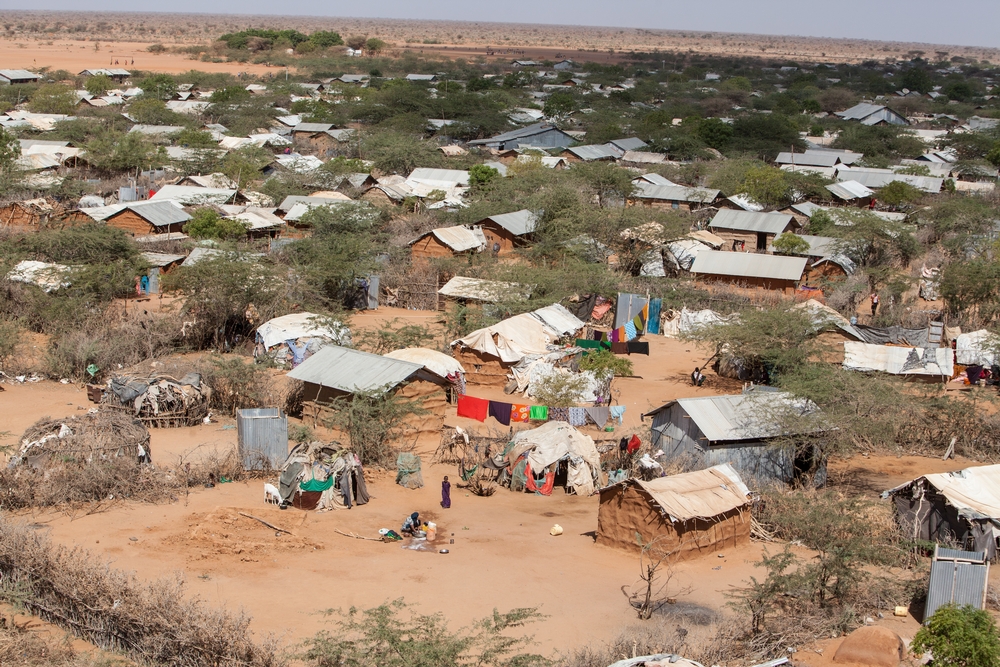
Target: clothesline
[{"x": 505, "y": 413}]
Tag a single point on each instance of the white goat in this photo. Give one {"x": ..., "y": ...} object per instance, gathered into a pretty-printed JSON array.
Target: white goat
[{"x": 271, "y": 494}]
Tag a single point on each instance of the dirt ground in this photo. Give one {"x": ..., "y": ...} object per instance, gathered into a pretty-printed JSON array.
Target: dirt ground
[
  {"x": 77, "y": 55},
  {"x": 502, "y": 555}
]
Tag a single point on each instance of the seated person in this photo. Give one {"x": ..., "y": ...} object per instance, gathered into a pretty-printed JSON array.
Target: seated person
[
  {"x": 411, "y": 525},
  {"x": 697, "y": 378}
]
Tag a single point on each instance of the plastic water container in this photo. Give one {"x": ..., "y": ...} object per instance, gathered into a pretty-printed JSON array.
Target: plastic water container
[{"x": 431, "y": 531}]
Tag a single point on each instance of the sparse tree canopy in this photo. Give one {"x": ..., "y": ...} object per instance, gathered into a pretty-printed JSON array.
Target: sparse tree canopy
[{"x": 960, "y": 637}]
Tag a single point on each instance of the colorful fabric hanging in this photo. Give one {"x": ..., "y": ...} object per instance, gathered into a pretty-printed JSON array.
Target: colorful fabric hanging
[
  {"x": 599, "y": 415},
  {"x": 558, "y": 414},
  {"x": 577, "y": 416},
  {"x": 630, "y": 331},
  {"x": 520, "y": 413},
  {"x": 539, "y": 413}
]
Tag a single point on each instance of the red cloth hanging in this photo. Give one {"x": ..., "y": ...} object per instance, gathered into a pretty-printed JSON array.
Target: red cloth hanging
[
  {"x": 546, "y": 488},
  {"x": 634, "y": 444},
  {"x": 473, "y": 408}
]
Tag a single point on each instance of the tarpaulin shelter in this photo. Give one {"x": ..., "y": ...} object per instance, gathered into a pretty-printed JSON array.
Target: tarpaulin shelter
[
  {"x": 83, "y": 439},
  {"x": 960, "y": 507},
  {"x": 534, "y": 457},
  {"x": 291, "y": 339},
  {"x": 977, "y": 348},
  {"x": 323, "y": 477},
  {"x": 160, "y": 400},
  {"x": 929, "y": 363},
  {"x": 689, "y": 514},
  {"x": 490, "y": 352}
]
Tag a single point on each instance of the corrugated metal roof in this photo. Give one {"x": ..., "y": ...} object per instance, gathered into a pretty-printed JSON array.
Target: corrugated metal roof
[
  {"x": 629, "y": 144},
  {"x": 878, "y": 178},
  {"x": 860, "y": 111},
  {"x": 291, "y": 200},
  {"x": 192, "y": 194},
  {"x": 807, "y": 208},
  {"x": 808, "y": 159},
  {"x": 18, "y": 74},
  {"x": 644, "y": 157},
  {"x": 741, "y": 416},
  {"x": 675, "y": 193},
  {"x": 312, "y": 128},
  {"x": 848, "y": 190},
  {"x": 517, "y": 223},
  {"x": 821, "y": 246},
  {"x": 160, "y": 258},
  {"x": 157, "y": 213},
  {"x": 522, "y": 133},
  {"x": 594, "y": 152},
  {"x": 653, "y": 179},
  {"x": 752, "y": 221},
  {"x": 353, "y": 370},
  {"x": 748, "y": 265}
]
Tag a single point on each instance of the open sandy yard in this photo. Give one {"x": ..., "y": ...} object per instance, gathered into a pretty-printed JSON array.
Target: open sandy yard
[{"x": 502, "y": 555}]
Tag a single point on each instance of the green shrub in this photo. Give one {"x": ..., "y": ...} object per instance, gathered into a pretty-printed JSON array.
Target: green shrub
[{"x": 959, "y": 637}]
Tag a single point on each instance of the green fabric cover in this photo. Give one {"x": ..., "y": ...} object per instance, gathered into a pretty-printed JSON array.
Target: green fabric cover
[
  {"x": 316, "y": 485},
  {"x": 540, "y": 412}
]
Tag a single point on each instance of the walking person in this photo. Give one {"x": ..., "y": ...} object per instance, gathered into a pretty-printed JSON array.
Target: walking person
[
  {"x": 446, "y": 493},
  {"x": 874, "y": 300},
  {"x": 138, "y": 286}
]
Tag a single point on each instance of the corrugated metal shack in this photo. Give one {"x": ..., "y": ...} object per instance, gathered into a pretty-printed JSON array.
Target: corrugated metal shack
[
  {"x": 262, "y": 437},
  {"x": 741, "y": 430}
]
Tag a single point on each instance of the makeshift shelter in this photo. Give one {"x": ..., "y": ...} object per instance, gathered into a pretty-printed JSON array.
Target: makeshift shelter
[
  {"x": 771, "y": 272},
  {"x": 291, "y": 339},
  {"x": 447, "y": 242},
  {"x": 935, "y": 364},
  {"x": 960, "y": 507},
  {"x": 316, "y": 476},
  {"x": 436, "y": 362},
  {"x": 160, "y": 400},
  {"x": 507, "y": 231},
  {"x": 462, "y": 289},
  {"x": 105, "y": 434},
  {"x": 489, "y": 353},
  {"x": 688, "y": 515},
  {"x": 977, "y": 348},
  {"x": 742, "y": 430},
  {"x": 338, "y": 372},
  {"x": 43, "y": 275},
  {"x": 554, "y": 454}
]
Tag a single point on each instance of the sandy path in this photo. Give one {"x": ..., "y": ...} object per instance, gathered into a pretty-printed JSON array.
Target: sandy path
[{"x": 76, "y": 56}]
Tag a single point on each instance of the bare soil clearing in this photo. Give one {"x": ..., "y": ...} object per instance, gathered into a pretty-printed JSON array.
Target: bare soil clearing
[{"x": 502, "y": 555}]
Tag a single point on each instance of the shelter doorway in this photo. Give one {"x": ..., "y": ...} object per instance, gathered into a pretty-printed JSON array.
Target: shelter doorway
[{"x": 761, "y": 242}]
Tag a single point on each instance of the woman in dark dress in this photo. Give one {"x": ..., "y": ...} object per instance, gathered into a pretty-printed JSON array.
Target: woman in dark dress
[{"x": 446, "y": 493}]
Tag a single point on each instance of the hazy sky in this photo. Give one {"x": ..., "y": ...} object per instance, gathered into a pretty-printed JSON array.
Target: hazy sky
[{"x": 970, "y": 22}]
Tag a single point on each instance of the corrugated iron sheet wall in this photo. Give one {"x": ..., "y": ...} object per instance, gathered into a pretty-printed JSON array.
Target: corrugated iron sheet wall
[{"x": 263, "y": 437}]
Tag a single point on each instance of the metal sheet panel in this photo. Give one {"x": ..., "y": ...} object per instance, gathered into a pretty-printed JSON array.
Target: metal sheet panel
[
  {"x": 517, "y": 223},
  {"x": 748, "y": 265},
  {"x": 350, "y": 370},
  {"x": 751, "y": 221},
  {"x": 262, "y": 436},
  {"x": 627, "y": 307},
  {"x": 675, "y": 193}
]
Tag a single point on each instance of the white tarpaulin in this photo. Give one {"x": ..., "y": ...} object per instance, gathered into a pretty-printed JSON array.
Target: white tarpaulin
[
  {"x": 898, "y": 360},
  {"x": 554, "y": 441},
  {"x": 688, "y": 321},
  {"x": 434, "y": 361},
  {"x": 522, "y": 335},
  {"x": 974, "y": 491},
  {"x": 48, "y": 277},
  {"x": 977, "y": 348},
  {"x": 684, "y": 251},
  {"x": 301, "y": 325}
]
